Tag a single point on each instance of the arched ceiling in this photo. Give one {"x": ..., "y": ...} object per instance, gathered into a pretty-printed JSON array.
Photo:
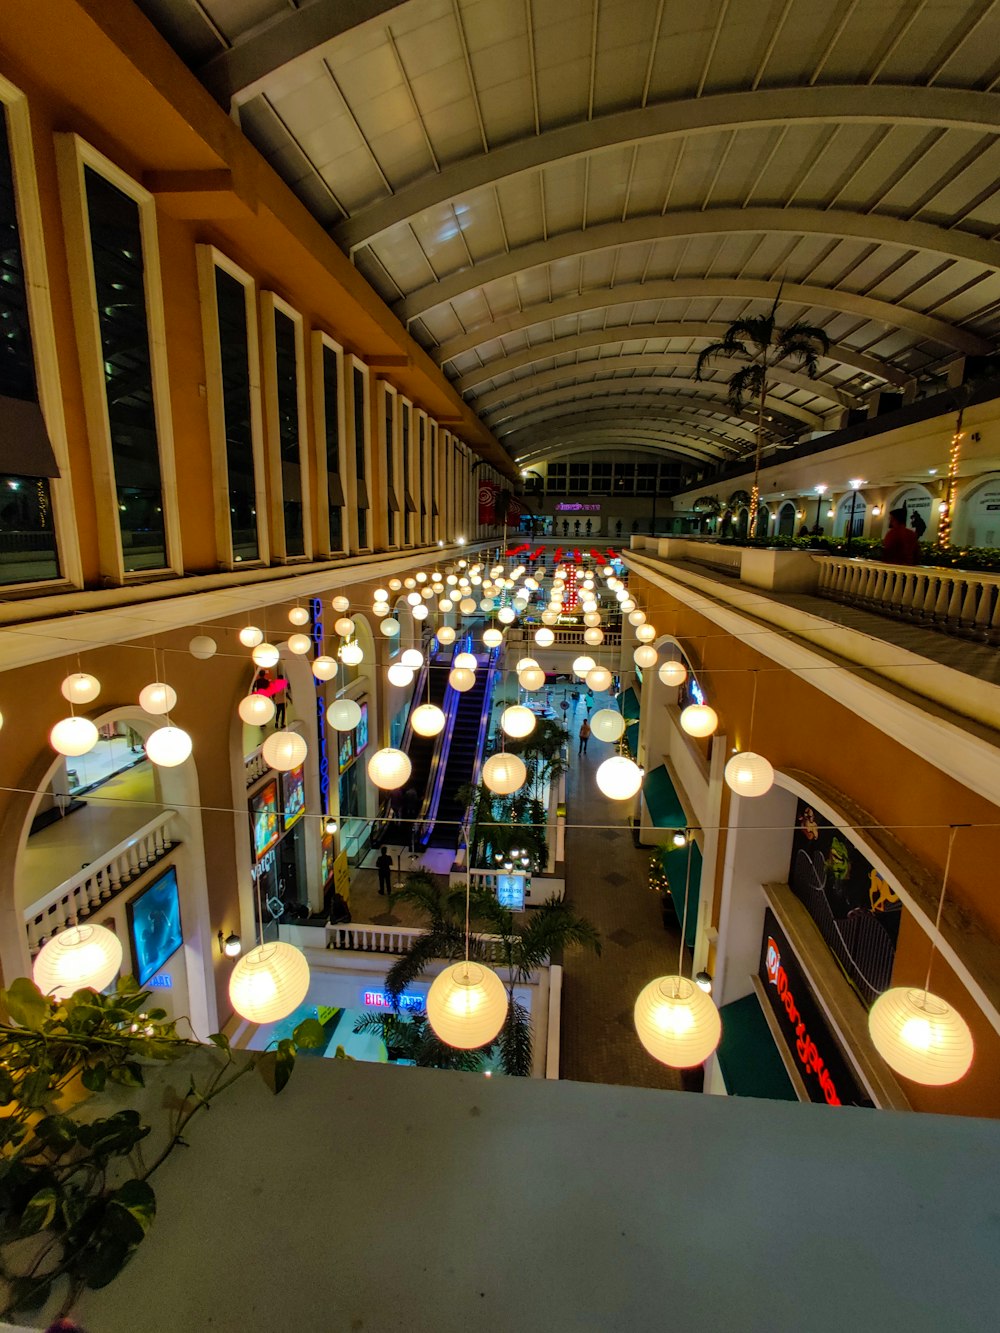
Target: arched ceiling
[{"x": 565, "y": 200}]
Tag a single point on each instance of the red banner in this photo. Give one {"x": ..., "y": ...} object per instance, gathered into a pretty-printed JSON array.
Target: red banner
[{"x": 487, "y": 502}]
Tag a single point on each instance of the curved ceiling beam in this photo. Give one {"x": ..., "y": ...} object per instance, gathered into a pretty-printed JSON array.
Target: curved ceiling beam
[
  {"x": 582, "y": 342},
  {"x": 724, "y": 289},
  {"x": 611, "y": 439},
  {"x": 869, "y": 103},
  {"x": 624, "y": 429},
  {"x": 579, "y": 447},
  {"x": 668, "y": 420},
  {"x": 693, "y": 444},
  {"x": 236, "y": 75},
  {"x": 836, "y": 223},
  {"x": 490, "y": 402}
]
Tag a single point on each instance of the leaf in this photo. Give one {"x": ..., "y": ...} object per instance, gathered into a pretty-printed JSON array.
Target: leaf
[
  {"x": 219, "y": 1039},
  {"x": 129, "y": 1074},
  {"x": 35, "y": 1087},
  {"x": 276, "y": 1066},
  {"x": 40, "y": 1211},
  {"x": 26, "y": 1004},
  {"x": 6, "y": 1088},
  {"x": 28, "y": 1293},
  {"x": 101, "y": 1264},
  {"x": 131, "y": 1210},
  {"x": 95, "y": 1077},
  {"x": 57, "y": 1132},
  {"x": 310, "y": 1035},
  {"x": 127, "y": 985}
]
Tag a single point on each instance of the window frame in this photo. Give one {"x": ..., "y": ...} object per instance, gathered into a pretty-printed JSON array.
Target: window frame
[
  {"x": 390, "y": 452},
  {"x": 73, "y": 156},
  {"x": 271, "y": 304},
  {"x": 355, "y": 363},
  {"x": 209, "y": 259},
  {"x": 435, "y": 509},
  {"x": 421, "y": 422},
  {"x": 323, "y": 342},
  {"x": 31, "y": 238},
  {"x": 406, "y": 473}
]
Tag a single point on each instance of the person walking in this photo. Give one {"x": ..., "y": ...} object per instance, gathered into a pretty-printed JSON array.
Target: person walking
[
  {"x": 584, "y": 736},
  {"x": 384, "y": 867},
  {"x": 281, "y": 698},
  {"x": 900, "y": 544}
]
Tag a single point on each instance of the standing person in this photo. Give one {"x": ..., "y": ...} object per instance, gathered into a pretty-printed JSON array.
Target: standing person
[
  {"x": 282, "y": 697},
  {"x": 584, "y": 736},
  {"x": 900, "y": 543},
  {"x": 384, "y": 867}
]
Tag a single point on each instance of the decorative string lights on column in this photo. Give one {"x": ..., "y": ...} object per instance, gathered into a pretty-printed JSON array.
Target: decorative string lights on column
[{"x": 951, "y": 485}]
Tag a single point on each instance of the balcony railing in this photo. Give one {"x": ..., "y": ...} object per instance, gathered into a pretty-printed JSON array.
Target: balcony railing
[
  {"x": 95, "y": 885},
  {"x": 393, "y": 939},
  {"x": 565, "y": 637},
  {"x": 958, "y": 601}
]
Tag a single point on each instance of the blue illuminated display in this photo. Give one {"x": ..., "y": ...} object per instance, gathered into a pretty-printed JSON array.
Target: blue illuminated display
[{"x": 510, "y": 892}]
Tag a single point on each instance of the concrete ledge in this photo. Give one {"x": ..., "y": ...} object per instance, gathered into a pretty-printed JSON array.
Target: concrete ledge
[{"x": 781, "y": 571}]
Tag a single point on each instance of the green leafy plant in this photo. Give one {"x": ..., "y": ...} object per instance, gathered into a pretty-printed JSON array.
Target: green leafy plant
[
  {"x": 412, "y": 1038},
  {"x": 75, "y": 1194},
  {"x": 518, "y": 949}
]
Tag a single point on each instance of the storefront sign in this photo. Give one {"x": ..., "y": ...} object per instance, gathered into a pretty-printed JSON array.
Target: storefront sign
[
  {"x": 572, "y": 507},
  {"x": 825, "y": 1073},
  {"x": 263, "y": 866},
  {"x": 162, "y": 981},
  {"x": 378, "y": 999},
  {"x": 857, "y": 911},
  {"x": 510, "y": 892}
]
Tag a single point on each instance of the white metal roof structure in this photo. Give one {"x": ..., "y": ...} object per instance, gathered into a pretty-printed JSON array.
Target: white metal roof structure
[{"x": 564, "y": 200}]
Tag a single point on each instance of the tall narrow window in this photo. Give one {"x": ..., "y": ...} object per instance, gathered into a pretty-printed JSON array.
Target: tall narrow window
[
  {"x": 27, "y": 533},
  {"x": 392, "y": 501},
  {"x": 422, "y": 475},
  {"x": 118, "y": 262},
  {"x": 434, "y": 506},
  {"x": 331, "y": 437},
  {"x": 286, "y": 383},
  {"x": 407, "y": 477},
  {"x": 360, "y": 459},
  {"x": 234, "y": 351}
]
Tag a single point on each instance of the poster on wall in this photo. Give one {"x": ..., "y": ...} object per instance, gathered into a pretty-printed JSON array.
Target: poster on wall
[
  {"x": 154, "y": 919},
  {"x": 361, "y": 730},
  {"x": 857, "y": 911},
  {"x": 345, "y": 751},
  {"x": 327, "y": 858},
  {"x": 813, "y": 1049},
  {"x": 293, "y": 796},
  {"x": 264, "y": 829}
]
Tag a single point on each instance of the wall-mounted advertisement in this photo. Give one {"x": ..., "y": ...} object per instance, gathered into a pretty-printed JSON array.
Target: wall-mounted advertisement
[
  {"x": 361, "y": 730},
  {"x": 345, "y": 750},
  {"x": 857, "y": 911},
  {"x": 264, "y": 828},
  {"x": 154, "y": 919},
  {"x": 510, "y": 892},
  {"x": 293, "y": 796}
]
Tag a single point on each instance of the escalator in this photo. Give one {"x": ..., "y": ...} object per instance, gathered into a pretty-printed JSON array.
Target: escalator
[{"x": 460, "y": 765}]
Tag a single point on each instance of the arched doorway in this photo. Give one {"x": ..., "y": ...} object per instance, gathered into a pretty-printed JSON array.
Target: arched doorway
[
  {"x": 742, "y": 522},
  {"x": 851, "y": 512},
  {"x": 786, "y": 520},
  {"x": 919, "y": 505},
  {"x": 977, "y": 514}
]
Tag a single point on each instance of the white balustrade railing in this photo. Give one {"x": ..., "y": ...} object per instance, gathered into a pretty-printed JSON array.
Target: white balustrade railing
[
  {"x": 565, "y": 637},
  {"x": 255, "y": 766},
  {"x": 96, "y": 884},
  {"x": 959, "y": 601},
  {"x": 390, "y": 939}
]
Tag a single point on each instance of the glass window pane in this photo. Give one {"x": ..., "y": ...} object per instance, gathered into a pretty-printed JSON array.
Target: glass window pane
[
  {"x": 286, "y": 367},
  {"x": 116, "y": 241},
  {"x": 234, "y": 347},
  {"x": 27, "y": 538},
  {"x": 390, "y": 463},
  {"x": 332, "y": 427},
  {"x": 359, "y": 454},
  {"x": 408, "y": 521}
]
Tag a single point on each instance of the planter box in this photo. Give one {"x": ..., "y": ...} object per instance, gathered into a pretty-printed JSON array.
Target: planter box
[{"x": 780, "y": 571}]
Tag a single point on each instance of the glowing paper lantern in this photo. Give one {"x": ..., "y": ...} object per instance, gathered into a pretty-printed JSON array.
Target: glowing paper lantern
[
  {"x": 466, "y": 661},
  {"x": 599, "y": 679},
  {"x": 467, "y": 606},
  {"x": 168, "y": 746},
  {"x": 618, "y": 777},
  {"x": 299, "y": 644},
  {"x": 202, "y": 647},
  {"x": 351, "y": 654},
  {"x": 461, "y": 679},
  {"x": 749, "y": 774},
  {"x": 531, "y": 678},
  {"x": 284, "y": 750},
  {"x": 341, "y": 603},
  {"x": 412, "y": 658},
  {"x": 504, "y": 773},
  {"x": 921, "y": 1036},
  {"x": 256, "y": 710},
  {"x": 581, "y": 665},
  {"x": 544, "y": 637},
  {"x": 250, "y": 636},
  {"x": 389, "y": 627},
  {"x": 677, "y": 1022},
  {"x": 344, "y": 627},
  {"x": 265, "y": 655},
  {"x": 673, "y": 673},
  {"x": 446, "y": 635},
  {"x": 466, "y": 1005},
  {"x": 593, "y": 636},
  {"x": 73, "y": 736},
  {"x": 427, "y": 720},
  {"x": 269, "y": 982},
  {"x": 607, "y": 724},
  {"x": 298, "y": 615},
  {"x": 644, "y": 656},
  {"x": 389, "y": 768},
  {"x": 506, "y": 615},
  {"x": 517, "y": 721},
  {"x": 324, "y": 668},
  {"x": 399, "y": 675},
  {"x": 157, "y": 698},
  {"x": 419, "y": 613},
  {"x": 645, "y": 633},
  {"x": 636, "y": 617},
  {"x": 699, "y": 720},
  {"x": 343, "y": 714},
  {"x": 592, "y": 619},
  {"x": 80, "y": 688},
  {"x": 76, "y": 958},
  {"x": 492, "y": 638}
]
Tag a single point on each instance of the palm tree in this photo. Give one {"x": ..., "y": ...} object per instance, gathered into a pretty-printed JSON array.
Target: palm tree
[
  {"x": 709, "y": 505},
  {"x": 757, "y": 341},
  {"x": 519, "y": 951},
  {"x": 413, "y": 1039}
]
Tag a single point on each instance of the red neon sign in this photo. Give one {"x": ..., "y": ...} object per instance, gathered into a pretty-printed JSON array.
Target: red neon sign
[{"x": 805, "y": 1047}]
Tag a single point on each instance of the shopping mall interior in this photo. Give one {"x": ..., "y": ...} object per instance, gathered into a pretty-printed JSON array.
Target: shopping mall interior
[{"x": 499, "y": 621}]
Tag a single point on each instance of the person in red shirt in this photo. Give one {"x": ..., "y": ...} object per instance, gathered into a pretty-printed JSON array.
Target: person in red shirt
[{"x": 900, "y": 544}]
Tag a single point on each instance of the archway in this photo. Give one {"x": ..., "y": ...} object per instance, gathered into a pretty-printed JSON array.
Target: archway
[
  {"x": 786, "y": 520},
  {"x": 851, "y": 511},
  {"x": 977, "y": 513},
  {"x": 920, "y": 506}
]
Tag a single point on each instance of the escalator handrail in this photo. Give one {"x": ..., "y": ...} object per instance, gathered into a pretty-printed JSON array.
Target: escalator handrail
[
  {"x": 484, "y": 723},
  {"x": 439, "y": 760}
]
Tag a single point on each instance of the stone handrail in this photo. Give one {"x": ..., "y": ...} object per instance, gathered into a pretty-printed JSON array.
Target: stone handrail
[
  {"x": 565, "y": 637},
  {"x": 96, "y": 884},
  {"x": 956, "y": 600},
  {"x": 360, "y": 938}
]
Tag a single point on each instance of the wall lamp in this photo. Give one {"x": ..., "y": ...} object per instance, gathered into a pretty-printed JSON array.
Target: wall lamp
[
  {"x": 230, "y": 945},
  {"x": 330, "y": 825},
  {"x": 704, "y": 981}
]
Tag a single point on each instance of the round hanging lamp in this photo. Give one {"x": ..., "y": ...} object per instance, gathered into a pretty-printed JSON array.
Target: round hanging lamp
[
  {"x": 506, "y": 615},
  {"x": 265, "y": 655},
  {"x": 344, "y": 627},
  {"x": 169, "y": 746},
  {"x": 921, "y": 1036},
  {"x": 749, "y": 774},
  {"x": 399, "y": 675},
  {"x": 467, "y": 606},
  {"x": 250, "y": 636},
  {"x": 517, "y": 721},
  {"x": 445, "y": 604},
  {"x": 351, "y": 654},
  {"x": 419, "y": 612},
  {"x": 380, "y": 595},
  {"x": 677, "y": 1022},
  {"x": 531, "y": 678},
  {"x": 343, "y": 714},
  {"x": 644, "y": 656},
  {"x": 592, "y": 619},
  {"x": 583, "y": 664},
  {"x": 284, "y": 750},
  {"x": 80, "y": 688},
  {"x": 380, "y": 609},
  {"x": 607, "y": 724},
  {"x": 599, "y": 679},
  {"x": 504, "y": 773},
  {"x": 73, "y": 736},
  {"x": 256, "y": 710},
  {"x": 699, "y": 720},
  {"x": 619, "y": 777},
  {"x": 645, "y": 633},
  {"x": 341, "y": 603},
  {"x": 202, "y": 647},
  {"x": 157, "y": 698},
  {"x": 549, "y": 618},
  {"x": 593, "y": 636},
  {"x": 394, "y": 585},
  {"x": 412, "y": 658},
  {"x": 492, "y": 638},
  {"x": 461, "y": 679},
  {"x": 466, "y": 1005},
  {"x": 446, "y": 635},
  {"x": 76, "y": 958},
  {"x": 523, "y": 663},
  {"x": 427, "y": 720},
  {"x": 269, "y": 982},
  {"x": 673, "y": 673},
  {"x": 544, "y": 637},
  {"x": 299, "y": 644},
  {"x": 389, "y": 768},
  {"x": 389, "y": 627},
  {"x": 637, "y": 617},
  {"x": 466, "y": 661},
  {"x": 324, "y": 668},
  {"x": 298, "y": 615}
]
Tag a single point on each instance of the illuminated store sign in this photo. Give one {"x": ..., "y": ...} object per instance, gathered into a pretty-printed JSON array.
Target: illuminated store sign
[
  {"x": 378, "y": 999},
  {"x": 510, "y": 892},
  {"x": 572, "y": 507},
  {"x": 825, "y": 1072}
]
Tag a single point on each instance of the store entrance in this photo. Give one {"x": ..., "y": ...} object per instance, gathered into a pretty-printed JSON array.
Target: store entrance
[{"x": 291, "y": 873}]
